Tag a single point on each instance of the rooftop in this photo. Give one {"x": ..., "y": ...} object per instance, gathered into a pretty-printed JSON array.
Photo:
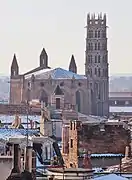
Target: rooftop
[
  {"x": 8, "y": 133},
  {"x": 117, "y": 109},
  {"x": 57, "y": 73}
]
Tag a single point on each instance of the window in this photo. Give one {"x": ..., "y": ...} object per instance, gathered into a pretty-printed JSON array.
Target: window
[
  {"x": 74, "y": 125},
  {"x": 103, "y": 34},
  {"x": 98, "y": 34},
  {"x": 46, "y": 153},
  {"x": 91, "y": 46},
  {"x": 126, "y": 102},
  {"x": 90, "y": 72},
  {"x": 99, "y": 59},
  {"x": 103, "y": 59},
  {"x": 71, "y": 125},
  {"x": 98, "y": 46},
  {"x": 103, "y": 73},
  {"x": 57, "y": 103},
  {"x": 90, "y": 58},
  {"x": 71, "y": 143},
  {"x": 99, "y": 72},
  {"x": 62, "y": 84},
  {"x": 95, "y": 46},
  {"x": 95, "y": 71},
  {"x": 41, "y": 84},
  {"x": 88, "y": 46},
  {"x": 91, "y": 34},
  {"x": 95, "y": 59},
  {"x": 95, "y": 34},
  {"x": 79, "y": 84}
]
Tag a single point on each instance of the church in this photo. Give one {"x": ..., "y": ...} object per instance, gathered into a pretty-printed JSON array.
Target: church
[{"x": 61, "y": 88}]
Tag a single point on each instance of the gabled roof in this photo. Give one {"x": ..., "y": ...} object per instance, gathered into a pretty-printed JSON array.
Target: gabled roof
[{"x": 57, "y": 73}]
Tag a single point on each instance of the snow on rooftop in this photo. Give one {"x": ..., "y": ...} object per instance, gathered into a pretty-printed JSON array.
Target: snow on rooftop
[
  {"x": 110, "y": 177},
  {"x": 114, "y": 109},
  {"x": 57, "y": 73}
]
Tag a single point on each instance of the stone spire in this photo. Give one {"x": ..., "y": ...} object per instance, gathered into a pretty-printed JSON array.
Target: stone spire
[
  {"x": 72, "y": 65},
  {"x": 43, "y": 59},
  {"x": 14, "y": 67}
]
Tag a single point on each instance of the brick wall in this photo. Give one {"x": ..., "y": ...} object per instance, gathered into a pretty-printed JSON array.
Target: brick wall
[
  {"x": 71, "y": 155},
  {"x": 113, "y": 140}
]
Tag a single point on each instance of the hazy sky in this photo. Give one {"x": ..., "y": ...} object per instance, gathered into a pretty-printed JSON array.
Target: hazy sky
[{"x": 26, "y": 26}]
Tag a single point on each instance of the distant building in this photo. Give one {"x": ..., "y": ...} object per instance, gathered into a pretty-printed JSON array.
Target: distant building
[
  {"x": 62, "y": 88},
  {"x": 120, "y": 103}
]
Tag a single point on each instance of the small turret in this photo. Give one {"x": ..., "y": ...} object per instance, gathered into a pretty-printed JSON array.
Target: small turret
[
  {"x": 43, "y": 59},
  {"x": 72, "y": 66},
  {"x": 14, "y": 67}
]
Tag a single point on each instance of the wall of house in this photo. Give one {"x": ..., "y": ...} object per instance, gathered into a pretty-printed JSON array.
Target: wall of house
[
  {"x": 5, "y": 168},
  {"x": 113, "y": 139},
  {"x": 101, "y": 162}
]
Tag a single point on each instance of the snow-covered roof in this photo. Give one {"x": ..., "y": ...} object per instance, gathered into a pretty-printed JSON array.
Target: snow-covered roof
[
  {"x": 117, "y": 109},
  {"x": 57, "y": 73},
  {"x": 111, "y": 177}
]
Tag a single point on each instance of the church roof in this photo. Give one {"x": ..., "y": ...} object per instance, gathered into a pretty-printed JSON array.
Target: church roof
[{"x": 57, "y": 73}]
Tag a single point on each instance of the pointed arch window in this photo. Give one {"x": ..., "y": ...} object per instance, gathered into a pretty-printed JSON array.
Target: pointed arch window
[
  {"x": 95, "y": 34},
  {"x": 91, "y": 34},
  {"x": 91, "y": 72},
  {"x": 98, "y": 58},
  {"x": 95, "y": 59},
  {"x": 98, "y": 34},
  {"x": 91, "y": 59},
  {"x": 103, "y": 73},
  {"x": 91, "y": 46},
  {"x": 98, "y": 46},
  {"x": 99, "y": 73},
  {"x": 95, "y": 71},
  {"x": 95, "y": 46},
  {"x": 88, "y": 58},
  {"x": 78, "y": 100},
  {"x": 88, "y": 46}
]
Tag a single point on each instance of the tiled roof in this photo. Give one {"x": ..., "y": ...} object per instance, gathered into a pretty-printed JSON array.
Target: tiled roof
[
  {"x": 57, "y": 73},
  {"x": 6, "y": 133}
]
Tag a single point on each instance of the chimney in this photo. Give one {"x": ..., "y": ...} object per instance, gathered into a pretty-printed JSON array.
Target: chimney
[
  {"x": 16, "y": 157},
  {"x": 28, "y": 161},
  {"x": 34, "y": 164},
  {"x": 15, "y": 173},
  {"x": 87, "y": 161},
  {"x": 127, "y": 152}
]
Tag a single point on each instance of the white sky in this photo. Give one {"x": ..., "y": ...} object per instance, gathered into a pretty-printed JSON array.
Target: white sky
[{"x": 26, "y": 26}]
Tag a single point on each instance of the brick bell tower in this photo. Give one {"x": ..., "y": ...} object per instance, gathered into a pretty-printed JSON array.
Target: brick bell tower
[{"x": 96, "y": 65}]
